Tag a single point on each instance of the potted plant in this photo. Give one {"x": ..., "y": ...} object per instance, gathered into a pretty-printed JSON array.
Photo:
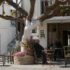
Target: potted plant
[{"x": 25, "y": 57}]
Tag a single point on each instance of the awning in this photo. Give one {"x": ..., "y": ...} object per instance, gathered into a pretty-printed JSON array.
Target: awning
[{"x": 60, "y": 19}]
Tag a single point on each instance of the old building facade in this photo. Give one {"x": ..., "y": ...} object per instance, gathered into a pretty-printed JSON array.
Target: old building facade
[{"x": 53, "y": 29}]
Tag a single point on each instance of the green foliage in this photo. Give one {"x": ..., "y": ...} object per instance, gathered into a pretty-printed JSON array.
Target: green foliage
[
  {"x": 1, "y": 1},
  {"x": 27, "y": 44},
  {"x": 17, "y": 49},
  {"x": 28, "y": 47}
]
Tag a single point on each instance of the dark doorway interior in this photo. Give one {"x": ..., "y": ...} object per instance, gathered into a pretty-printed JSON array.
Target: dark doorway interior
[{"x": 65, "y": 37}]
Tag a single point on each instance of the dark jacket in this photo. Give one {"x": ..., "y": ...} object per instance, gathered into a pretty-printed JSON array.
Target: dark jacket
[{"x": 38, "y": 49}]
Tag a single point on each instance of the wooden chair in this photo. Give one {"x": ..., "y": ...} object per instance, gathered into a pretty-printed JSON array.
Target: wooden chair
[
  {"x": 66, "y": 54},
  {"x": 49, "y": 55}
]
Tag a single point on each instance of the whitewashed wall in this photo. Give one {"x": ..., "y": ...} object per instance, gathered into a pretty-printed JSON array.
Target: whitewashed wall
[
  {"x": 4, "y": 22},
  {"x": 7, "y": 32},
  {"x": 6, "y": 36}
]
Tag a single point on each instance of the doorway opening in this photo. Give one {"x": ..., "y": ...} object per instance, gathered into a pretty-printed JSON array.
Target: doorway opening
[{"x": 66, "y": 37}]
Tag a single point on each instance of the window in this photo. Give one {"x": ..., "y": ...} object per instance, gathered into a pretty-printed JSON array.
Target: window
[
  {"x": 34, "y": 30},
  {"x": 42, "y": 33},
  {"x": 45, "y": 3}
]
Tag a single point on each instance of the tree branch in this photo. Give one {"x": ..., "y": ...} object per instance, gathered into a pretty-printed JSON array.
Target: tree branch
[
  {"x": 11, "y": 18},
  {"x": 63, "y": 3},
  {"x": 22, "y": 11},
  {"x": 49, "y": 10},
  {"x": 55, "y": 8},
  {"x": 31, "y": 13},
  {"x": 42, "y": 18}
]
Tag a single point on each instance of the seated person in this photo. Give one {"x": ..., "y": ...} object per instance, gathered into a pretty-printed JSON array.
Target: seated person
[{"x": 39, "y": 52}]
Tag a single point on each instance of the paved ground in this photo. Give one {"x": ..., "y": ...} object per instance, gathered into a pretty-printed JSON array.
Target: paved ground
[
  {"x": 55, "y": 66},
  {"x": 33, "y": 67}
]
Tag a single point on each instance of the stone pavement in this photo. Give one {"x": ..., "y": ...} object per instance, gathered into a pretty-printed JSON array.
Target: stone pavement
[
  {"x": 55, "y": 66},
  {"x": 34, "y": 67}
]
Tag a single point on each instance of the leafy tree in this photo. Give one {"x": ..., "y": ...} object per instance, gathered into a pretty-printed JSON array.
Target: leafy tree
[{"x": 50, "y": 11}]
